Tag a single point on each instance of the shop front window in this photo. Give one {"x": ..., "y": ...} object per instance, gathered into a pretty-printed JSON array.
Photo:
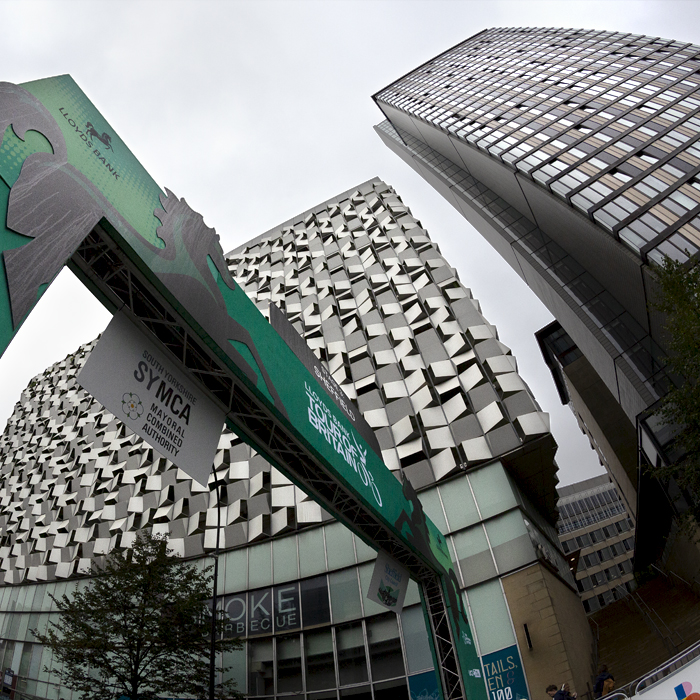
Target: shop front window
[
  {"x": 320, "y": 670},
  {"x": 352, "y": 662},
  {"x": 385, "y": 647}
]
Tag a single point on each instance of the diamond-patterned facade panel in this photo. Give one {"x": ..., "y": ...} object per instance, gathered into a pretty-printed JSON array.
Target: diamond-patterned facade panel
[{"x": 364, "y": 285}]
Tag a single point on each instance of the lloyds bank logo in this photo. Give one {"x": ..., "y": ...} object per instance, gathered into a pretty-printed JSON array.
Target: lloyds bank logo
[{"x": 90, "y": 137}]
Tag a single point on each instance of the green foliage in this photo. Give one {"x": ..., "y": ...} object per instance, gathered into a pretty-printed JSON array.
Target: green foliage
[
  {"x": 140, "y": 628},
  {"x": 680, "y": 287}
]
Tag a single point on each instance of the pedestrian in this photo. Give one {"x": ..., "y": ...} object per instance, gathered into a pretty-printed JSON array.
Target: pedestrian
[
  {"x": 564, "y": 693},
  {"x": 604, "y": 682},
  {"x": 551, "y": 690}
]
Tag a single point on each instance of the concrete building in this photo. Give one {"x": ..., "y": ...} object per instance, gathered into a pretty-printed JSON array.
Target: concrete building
[
  {"x": 363, "y": 284},
  {"x": 595, "y": 527},
  {"x": 574, "y": 153}
]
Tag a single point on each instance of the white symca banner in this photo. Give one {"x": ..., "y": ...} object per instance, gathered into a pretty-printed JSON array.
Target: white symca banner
[{"x": 135, "y": 380}]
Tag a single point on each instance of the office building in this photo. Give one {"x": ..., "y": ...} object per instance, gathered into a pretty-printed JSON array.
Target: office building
[
  {"x": 574, "y": 153},
  {"x": 595, "y": 528},
  {"x": 363, "y": 284}
]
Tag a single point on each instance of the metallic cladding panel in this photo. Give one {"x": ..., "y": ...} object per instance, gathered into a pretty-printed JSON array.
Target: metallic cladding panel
[
  {"x": 494, "y": 174},
  {"x": 381, "y": 290},
  {"x": 614, "y": 266}
]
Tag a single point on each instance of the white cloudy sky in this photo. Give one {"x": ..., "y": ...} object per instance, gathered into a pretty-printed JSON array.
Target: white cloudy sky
[{"x": 255, "y": 111}]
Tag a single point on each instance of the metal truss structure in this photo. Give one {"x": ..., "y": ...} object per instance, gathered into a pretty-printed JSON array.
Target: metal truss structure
[{"x": 106, "y": 269}]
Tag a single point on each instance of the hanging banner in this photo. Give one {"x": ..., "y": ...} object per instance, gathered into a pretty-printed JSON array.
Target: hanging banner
[
  {"x": 389, "y": 583},
  {"x": 132, "y": 377}
]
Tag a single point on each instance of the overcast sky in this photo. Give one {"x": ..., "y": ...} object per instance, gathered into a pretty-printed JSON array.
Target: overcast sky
[{"x": 256, "y": 111}]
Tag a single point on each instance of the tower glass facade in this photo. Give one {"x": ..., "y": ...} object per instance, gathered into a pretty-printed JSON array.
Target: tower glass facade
[
  {"x": 363, "y": 284},
  {"x": 606, "y": 121},
  {"x": 574, "y": 153}
]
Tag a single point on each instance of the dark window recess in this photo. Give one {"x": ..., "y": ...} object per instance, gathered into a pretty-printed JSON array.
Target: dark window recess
[{"x": 315, "y": 607}]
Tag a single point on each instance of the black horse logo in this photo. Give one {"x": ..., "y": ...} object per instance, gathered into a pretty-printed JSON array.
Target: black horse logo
[{"x": 105, "y": 138}]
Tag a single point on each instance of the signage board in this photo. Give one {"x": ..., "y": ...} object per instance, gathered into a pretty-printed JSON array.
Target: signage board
[
  {"x": 65, "y": 172},
  {"x": 504, "y": 675},
  {"x": 299, "y": 347},
  {"x": 132, "y": 377},
  {"x": 389, "y": 583}
]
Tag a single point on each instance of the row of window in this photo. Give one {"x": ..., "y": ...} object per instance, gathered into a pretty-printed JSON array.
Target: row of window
[
  {"x": 602, "y": 578},
  {"x": 600, "y": 556},
  {"x": 600, "y": 600},
  {"x": 356, "y": 654},
  {"x": 580, "y": 511},
  {"x": 588, "y": 539},
  {"x": 584, "y": 120},
  {"x": 363, "y": 659},
  {"x": 621, "y": 329}
]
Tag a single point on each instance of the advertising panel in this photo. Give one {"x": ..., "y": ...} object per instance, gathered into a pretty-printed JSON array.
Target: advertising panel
[
  {"x": 64, "y": 170},
  {"x": 389, "y": 583},
  {"x": 135, "y": 380},
  {"x": 504, "y": 675}
]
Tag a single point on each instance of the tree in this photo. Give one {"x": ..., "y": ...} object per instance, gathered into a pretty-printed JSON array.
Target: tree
[
  {"x": 680, "y": 408},
  {"x": 140, "y": 628}
]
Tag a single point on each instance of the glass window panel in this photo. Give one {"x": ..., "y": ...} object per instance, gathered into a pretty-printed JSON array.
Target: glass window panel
[
  {"x": 491, "y": 619},
  {"x": 393, "y": 690},
  {"x": 260, "y": 611},
  {"x": 315, "y": 608},
  {"x": 475, "y": 559},
  {"x": 284, "y": 559},
  {"x": 9, "y": 653},
  {"x": 345, "y": 595},
  {"x": 21, "y": 597},
  {"x": 260, "y": 669},
  {"x": 385, "y": 647},
  {"x": 12, "y": 627},
  {"x": 46, "y": 662},
  {"x": 38, "y": 602},
  {"x": 287, "y": 607},
  {"x": 370, "y": 605},
  {"x": 433, "y": 508},
  {"x": 289, "y": 664},
  {"x": 459, "y": 505},
  {"x": 59, "y": 590},
  {"x": 235, "y": 608},
  {"x": 492, "y": 490},
  {"x": 361, "y": 693},
  {"x": 234, "y": 661},
  {"x": 236, "y": 567},
  {"x": 352, "y": 662},
  {"x": 259, "y": 566},
  {"x": 470, "y": 542},
  {"x": 33, "y": 624},
  {"x": 339, "y": 546},
  {"x": 318, "y": 649},
  {"x": 415, "y": 638},
  {"x": 312, "y": 554},
  {"x": 25, "y": 660},
  {"x": 412, "y": 593},
  {"x": 29, "y": 599},
  {"x": 505, "y": 528},
  {"x": 510, "y": 540},
  {"x": 327, "y": 695},
  {"x": 364, "y": 551}
]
